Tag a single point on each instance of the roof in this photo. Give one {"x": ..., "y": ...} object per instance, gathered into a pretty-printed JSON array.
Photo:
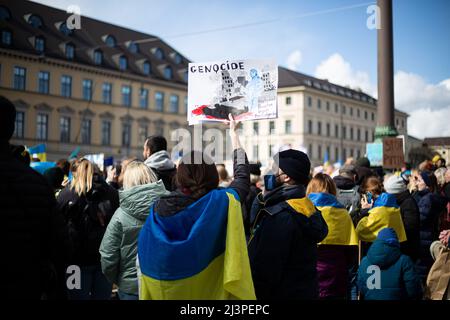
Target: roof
[
  {"x": 437, "y": 141},
  {"x": 90, "y": 37}
]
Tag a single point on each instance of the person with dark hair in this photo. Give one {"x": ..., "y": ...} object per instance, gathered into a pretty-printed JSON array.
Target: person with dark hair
[
  {"x": 431, "y": 205},
  {"x": 363, "y": 171},
  {"x": 55, "y": 177},
  {"x": 158, "y": 159},
  {"x": 255, "y": 184},
  {"x": 64, "y": 164},
  {"x": 192, "y": 245},
  {"x": 285, "y": 233},
  {"x": 33, "y": 231},
  {"x": 347, "y": 192}
]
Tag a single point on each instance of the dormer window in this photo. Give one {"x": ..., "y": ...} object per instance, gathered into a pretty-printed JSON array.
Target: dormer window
[
  {"x": 65, "y": 30},
  {"x": 133, "y": 47},
  {"x": 35, "y": 21},
  {"x": 70, "y": 51},
  {"x": 177, "y": 58},
  {"x": 6, "y": 37},
  {"x": 39, "y": 44},
  {"x": 4, "y": 13},
  {"x": 159, "y": 54},
  {"x": 147, "y": 68},
  {"x": 98, "y": 57},
  {"x": 168, "y": 74},
  {"x": 123, "y": 63},
  {"x": 110, "y": 41}
]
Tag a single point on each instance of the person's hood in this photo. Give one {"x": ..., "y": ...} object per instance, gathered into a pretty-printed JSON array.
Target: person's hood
[
  {"x": 386, "y": 200},
  {"x": 325, "y": 200},
  {"x": 383, "y": 254},
  {"x": 160, "y": 161},
  {"x": 344, "y": 183},
  {"x": 137, "y": 200},
  {"x": 173, "y": 203}
]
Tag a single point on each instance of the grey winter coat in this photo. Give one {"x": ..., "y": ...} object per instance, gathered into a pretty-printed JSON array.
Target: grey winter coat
[{"x": 119, "y": 245}]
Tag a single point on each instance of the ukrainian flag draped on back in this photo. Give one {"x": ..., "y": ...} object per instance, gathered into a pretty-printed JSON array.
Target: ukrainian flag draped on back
[
  {"x": 198, "y": 253},
  {"x": 340, "y": 226},
  {"x": 385, "y": 213}
]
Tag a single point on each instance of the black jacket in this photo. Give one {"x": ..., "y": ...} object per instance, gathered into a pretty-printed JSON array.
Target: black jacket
[
  {"x": 283, "y": 246},
  {"x": 176, "y": 201},
  {"x": 32, "y": 234},
  {"x": 168, "y": 177},
  {"x": 86, "y": 227},
  {"x": 411, "y": 220}
]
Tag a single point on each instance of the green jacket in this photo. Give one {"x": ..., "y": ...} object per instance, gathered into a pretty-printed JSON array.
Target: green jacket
[{"x": 118, "y": 249}]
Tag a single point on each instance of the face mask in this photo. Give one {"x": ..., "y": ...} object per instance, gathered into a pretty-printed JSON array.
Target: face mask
[{"x": 271, "y": 182}]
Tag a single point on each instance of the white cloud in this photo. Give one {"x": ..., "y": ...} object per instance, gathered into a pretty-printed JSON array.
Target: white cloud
[
  {"x": 294, "y": 60},
  {"x": 339, "y": 71},
  {"x": 429, "y": 123}
]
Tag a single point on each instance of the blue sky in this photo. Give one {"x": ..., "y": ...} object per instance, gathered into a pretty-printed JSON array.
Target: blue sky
[{"x": 332, "y": 44}]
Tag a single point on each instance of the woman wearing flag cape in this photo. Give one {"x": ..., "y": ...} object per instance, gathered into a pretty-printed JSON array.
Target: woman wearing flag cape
[{"x": 193, "y": 245}]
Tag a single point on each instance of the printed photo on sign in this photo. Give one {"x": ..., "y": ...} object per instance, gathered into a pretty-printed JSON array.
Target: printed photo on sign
[{"x": 245, "y": 88}]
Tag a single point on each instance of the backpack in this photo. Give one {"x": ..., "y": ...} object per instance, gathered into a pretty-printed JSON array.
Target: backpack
[
  {"x": 350, "y": 199},
  {"x": 86, "y": 224}
]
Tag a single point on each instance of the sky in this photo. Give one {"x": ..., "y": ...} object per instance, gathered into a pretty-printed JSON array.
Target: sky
[{"x": 328, "y": 39}]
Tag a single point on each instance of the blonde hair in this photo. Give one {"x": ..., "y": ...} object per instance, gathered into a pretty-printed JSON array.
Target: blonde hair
[
  {"x": 440, "y": 176},
  {"x": 137, "y": 173},
  {"x": 321, "y": 183},
  {"x": 83, "y": 173}
]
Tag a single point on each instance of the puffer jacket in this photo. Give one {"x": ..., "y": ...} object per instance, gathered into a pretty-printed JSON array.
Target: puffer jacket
[{"x": 119, "y": 245}]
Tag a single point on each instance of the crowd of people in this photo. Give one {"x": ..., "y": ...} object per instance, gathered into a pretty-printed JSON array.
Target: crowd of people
[{"x": 154, "y": 229}]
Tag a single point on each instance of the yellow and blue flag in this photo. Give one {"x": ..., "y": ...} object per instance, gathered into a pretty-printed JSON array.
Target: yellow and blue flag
[
  {"x": 385, "y": 213},
  {"x": 341, "y": 230},
  {"x": 199, "y": 253},
  {"x": 39, "y": 151}
]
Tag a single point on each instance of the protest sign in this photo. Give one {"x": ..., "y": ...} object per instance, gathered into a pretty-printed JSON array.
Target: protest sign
[
  {"x": 245, "y": 88},
  {"x": 375, "y": 154},
  {"x": 393, "y": 156}
]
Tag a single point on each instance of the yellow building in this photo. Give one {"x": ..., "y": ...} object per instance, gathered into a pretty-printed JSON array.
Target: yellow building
[{"x": 101, "y": 87}]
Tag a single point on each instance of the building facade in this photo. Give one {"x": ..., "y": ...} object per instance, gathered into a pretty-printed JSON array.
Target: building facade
[
  {"x": 325, "y": 120},
  {"x": 101, "y": 87},
  {"x": 441, "y": 145}
]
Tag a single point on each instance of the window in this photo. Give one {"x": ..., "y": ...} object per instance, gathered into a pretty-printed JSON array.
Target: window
[
  {"x": 133, "y": 47},
  {"x": 336, "y": 153},
  {"x": 6, "y": 37},
  {"x": 147, "y": 68},
  {"x": 19, "y": 124},
  {"x": 186, "y": 76},
  {"x": 86, "y": 131},
  {"x": 106, "y": 132},
  {"x": 328, "y": 105},
  {"x": 396, "y": 122},
  {"x": 20, "y": 75},
  {"x": 319, "y": 151},
  {"x": 173, "y": 103},
  {"x": 35, "y": 21},
  {"x": 39, "y": 44},
  {"x": 110, "y": 41},
  {"x": 336, "y": 108},
  {"x": 288, "y": 100},
  {"x": 143, "y": 133},
  {"x": 87, "y": 89},
  {"x": 255, "y": 152},
  {"x": 272, "y": 127},
  {"x": 351, "y": 111},
  {"x": 351, "y": 133},
  {"x": 123, "y": 63},
  {"x": 367, "y": 136},
  {"x": 159, "y": 101},
  {"x": 159, "y": 128},
  {"x": 319, "y": 104},
  {"x": 358, "y": 113},
  {"x": 126, "y": 96},
  {"x": 403, "y": 123},
  {"x": 344, "y": 132},
  {"x": 327, "y": 154},
  {"x": 344, "y": 154},
  {"x": 98, "y": 57},
  {"x": 66, "y": 86},
  {"x": 185, "y": 104},
  {"x": 70, "y": 51},
  {"x": 373, "y": 116},
  {"x": 42, "y": 126},
  {"x": 65, "y": 30},
  {"x": 310, "y": 151},
  {"x": 309, "y": 102},
  {"x": 255, "y": 128},
  {"x": 310, "y": 127},
  {"x": 168, "y": 72},
  {"x": 159, "y": 54},
  {"x": 44, "y": 82},
  {"x": 358, "y": 134},
  {"x": 344, "y": 109},
  {"x": 4, "y": 13},
  {"x": 177, "y": 58},
  {"x": 143, "y": 98},
  {"x": 328, "y": 130},
  {"x": 64, "y": 129},
  {"x": 352, "y": 153},
  {"x": 126, "y": 134},
  {"x": 288, "y": 126},
  {"x": 271, "y": 150},
  {"x": 365, "y": 115},
  {"x": 358, "y": 154},
  {"x": 107, "y": 93},
  {"x": 336, "y": 131},
  {"x": 319, "y": 128}
]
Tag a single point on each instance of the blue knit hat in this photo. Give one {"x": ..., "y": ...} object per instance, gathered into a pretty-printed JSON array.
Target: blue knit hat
[{"x": 389, "y": 236}]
